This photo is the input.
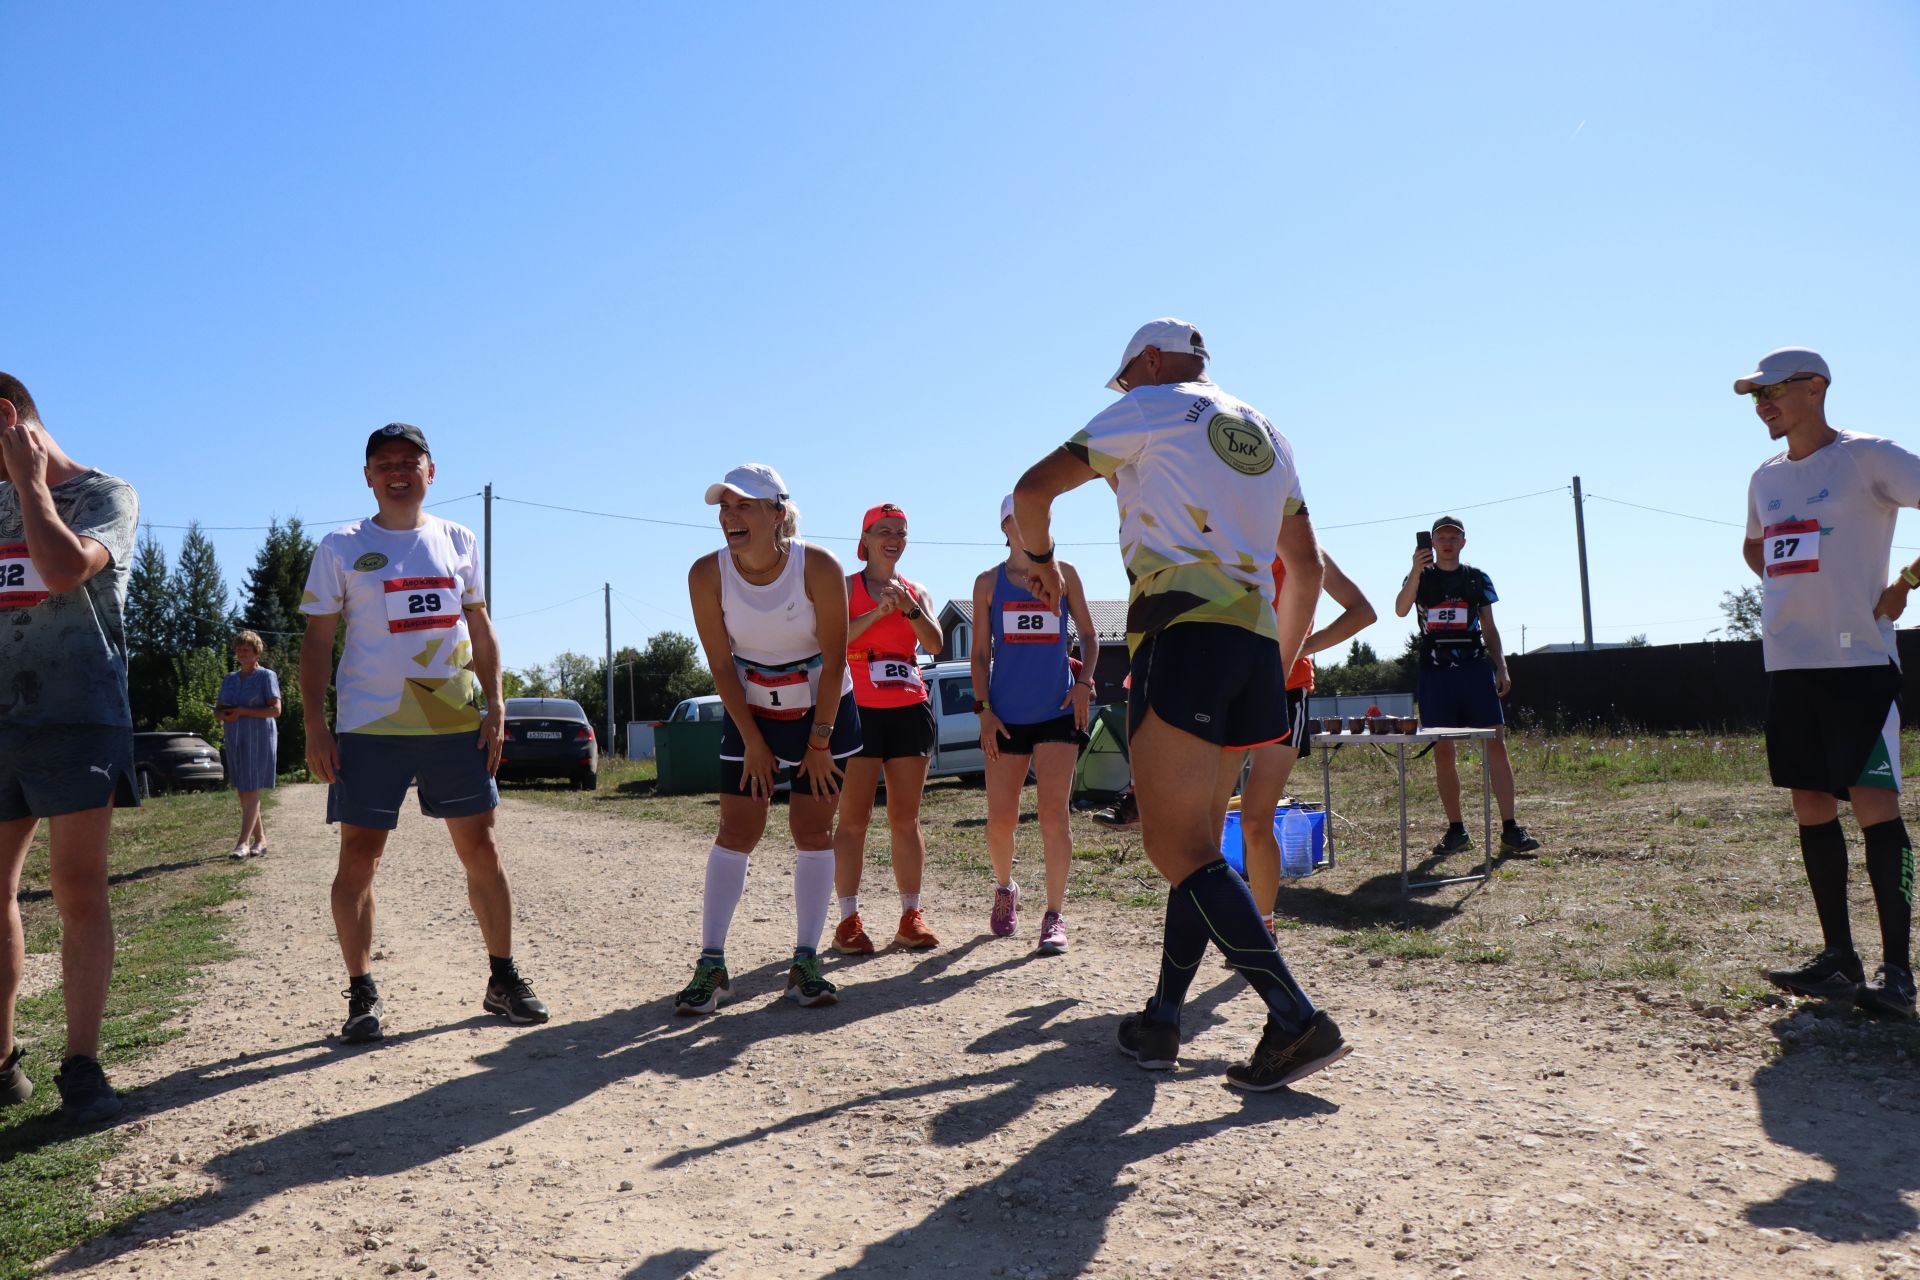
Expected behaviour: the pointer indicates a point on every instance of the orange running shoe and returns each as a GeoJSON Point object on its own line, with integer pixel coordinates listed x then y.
{"type": "Point", "coordinates": [850, 937]}
{"type": "Point", "coordinates": [913, 933]}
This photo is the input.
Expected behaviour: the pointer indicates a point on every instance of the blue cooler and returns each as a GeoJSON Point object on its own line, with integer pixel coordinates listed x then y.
{"type": "Point", "coordinates": [1236, 857]}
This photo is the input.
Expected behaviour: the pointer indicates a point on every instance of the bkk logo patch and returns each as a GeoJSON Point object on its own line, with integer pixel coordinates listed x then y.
{"type": "Point", "coordinates": [370, 561]}
{"type": "Point", "coordinates": [1240, 444]}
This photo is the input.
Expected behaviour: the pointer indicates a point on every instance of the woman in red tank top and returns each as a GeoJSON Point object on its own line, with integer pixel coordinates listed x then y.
{"type": "Point", "coordinates": [889, 620]}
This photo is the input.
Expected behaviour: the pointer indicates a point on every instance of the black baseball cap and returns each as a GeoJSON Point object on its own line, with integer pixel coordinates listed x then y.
{"type": "Point", "coordinates": [1444, 522]}
{"type": "Point", "coordinates": [398, 431]}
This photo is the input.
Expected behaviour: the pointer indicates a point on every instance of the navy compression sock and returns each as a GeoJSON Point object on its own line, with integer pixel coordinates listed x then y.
{"type": "Point", "coordinates": [1225, 906]}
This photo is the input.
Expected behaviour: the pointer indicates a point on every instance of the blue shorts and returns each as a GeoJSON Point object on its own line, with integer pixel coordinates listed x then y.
{"type": "Point", "coordinates": [1460, 697]}
{"type": "Point", "coordinates": [376, 769]}
{"type": "Point", "coordinates": [788, 740]}
{"type": "Point", "coordinates": [48, 771]}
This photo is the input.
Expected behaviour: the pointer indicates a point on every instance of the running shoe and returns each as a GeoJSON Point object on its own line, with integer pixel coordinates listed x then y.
{"type": "Point", "coordinates": [1283, 1057]}
{"type": "Point", "coordinates": [364, 1011]}
{"type": "Point", "coordinates": [1453, 842]}
{"type": "Point", "coordinates": [513, 999]}
{"type": "Point", "coordinates": [806, 986]}
{"type": "Point", "coordinates": [239, 852]}
{"type": "Point", "coordinates": [1833, 974]}
{"type": "Point", "coordinates": [1124, 812]}
{"type": "Point", "coordinates": [1154, 1045]}
{"type": "Point", "coordinates": [1053, 934]}
{"type": "Point", "coordinates": [913, 933]}
{"type": "Point", "coordinates": [1006, 911]}
{"type": "Point", "coordinates": [1515, 839]}
{"type": "Point", "coordinates": [259, 850]}
{"type": "Point", "coordinates": [85, 1095]}
{"type": "Point", "coordinates": [1889, 995]}
{"type": "Point", "coordinates": [850, 937]}
{"type": "Point", "coordinates": [14, 1085]}
{"type": "Point", "coordinates": [711, 984]}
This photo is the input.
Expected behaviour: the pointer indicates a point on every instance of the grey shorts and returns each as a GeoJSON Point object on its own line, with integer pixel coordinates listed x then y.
{"type": "Point", "coordinates": [376, 769]}
{"type": "Point", "coordinates": [51, 770]}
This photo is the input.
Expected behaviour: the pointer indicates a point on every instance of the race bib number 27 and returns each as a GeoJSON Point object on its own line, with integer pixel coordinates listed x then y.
{"type": "Point", "coordinates": [21, 586]}
{"type": "Point", "coordinates": [422, 604]}
{"type": "Point", "coordinates": [1791, 547]}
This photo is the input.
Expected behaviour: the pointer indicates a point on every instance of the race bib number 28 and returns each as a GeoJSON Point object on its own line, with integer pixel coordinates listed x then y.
{"type": "Point", "coordinates": [1029, 622]}
{"type": "Point", "coordinates": [422, 604]}
{"type": "Point", "coordinates": [21, 586]}
{"type": "Point", "coordinates": [1791, 547]}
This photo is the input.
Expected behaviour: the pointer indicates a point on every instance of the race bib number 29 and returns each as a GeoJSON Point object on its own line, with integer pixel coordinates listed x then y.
{"type": "Point", "coordinates": [21, 586]}
{"type": "Point", "coordinates": [1791, 547]}
{"type": "Point", "coordinates": [422, 604]}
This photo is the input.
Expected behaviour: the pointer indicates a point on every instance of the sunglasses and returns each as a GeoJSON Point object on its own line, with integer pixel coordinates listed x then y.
{"type": "Point", "coordinates": [1779, 389]}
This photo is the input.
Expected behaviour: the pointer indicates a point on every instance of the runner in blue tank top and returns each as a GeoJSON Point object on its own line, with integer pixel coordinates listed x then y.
{"type": "Point", "coordinates": [1035, 712]}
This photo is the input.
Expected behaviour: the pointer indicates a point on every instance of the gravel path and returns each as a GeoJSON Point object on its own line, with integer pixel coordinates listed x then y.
{"type": "Point", "coordinates": [960, 1113]}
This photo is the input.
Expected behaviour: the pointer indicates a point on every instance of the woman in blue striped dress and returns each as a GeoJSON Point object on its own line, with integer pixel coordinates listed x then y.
{"type": "Point", "coordinates": [250, 706]}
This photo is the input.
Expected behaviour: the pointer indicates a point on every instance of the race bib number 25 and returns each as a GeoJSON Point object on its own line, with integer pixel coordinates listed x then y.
{"type": "Point", "coordinates": [21, 586]}
{"type": "Point", "coordinates": [1791, 547]}
{"type": "Point", "coordinates": [1450, 615]}
{"type": "Point", "coordinates": [422, 604]}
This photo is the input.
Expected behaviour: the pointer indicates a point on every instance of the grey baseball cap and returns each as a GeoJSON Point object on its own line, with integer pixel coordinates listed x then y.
{"type": "Point", "coordinates": [1778, 366]}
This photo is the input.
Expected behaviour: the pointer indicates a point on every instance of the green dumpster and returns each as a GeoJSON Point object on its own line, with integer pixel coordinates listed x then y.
{"type": "Point", "coordinates": [687, 756]}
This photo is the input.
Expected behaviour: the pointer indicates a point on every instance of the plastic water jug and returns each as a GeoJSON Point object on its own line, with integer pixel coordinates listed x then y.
{"type": "Point", "coordinates": [1296, 844]}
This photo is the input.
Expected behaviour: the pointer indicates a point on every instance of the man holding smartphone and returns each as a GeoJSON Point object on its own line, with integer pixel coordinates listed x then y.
{"type": "Point", "coordinates": [1463, 673]}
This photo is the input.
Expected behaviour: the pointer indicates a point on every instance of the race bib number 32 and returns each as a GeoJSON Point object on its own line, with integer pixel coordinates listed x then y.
{"type": "Point", "coordinates": [1029, 622]}
{"type": "Point", "coordinates": [21, 586]}
{"type": "Point", "coordinates": [1791, 547]}
{"type": "Point", "coordinates": [422, 604]}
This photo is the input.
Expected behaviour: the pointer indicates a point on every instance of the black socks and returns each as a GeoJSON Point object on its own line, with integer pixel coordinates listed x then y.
{"type": "Point", "coordinates": [1214, 904]}
{"type": "Point", "coordinates": [1824, 851]}
{"type": "Point", "coordinates": [1890, 868]}
{"type": "Point", "coordinates": [501, 968]}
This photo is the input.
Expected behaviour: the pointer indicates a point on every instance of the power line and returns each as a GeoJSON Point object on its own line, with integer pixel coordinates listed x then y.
{"type": "Point", "coordinates": [1641, 506]}
{"type": "Point", "coordinates": [1518, 497]}
{"type": "Point", "coordinates": [254, 528]}
{"type": "Point", "coordinates": [709, 527]}
{"type": "Point", "coordinates": [527, 613]}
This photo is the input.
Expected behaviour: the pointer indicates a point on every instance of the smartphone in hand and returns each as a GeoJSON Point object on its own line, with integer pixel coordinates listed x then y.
{"type": "Point", "coordinates": [1422, 540]}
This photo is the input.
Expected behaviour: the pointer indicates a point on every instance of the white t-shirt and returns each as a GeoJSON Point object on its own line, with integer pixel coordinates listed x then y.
{"type": "Point", "coordinates": [404, 594]}
{"type": "Point", "coordinates": [1825, 524]}
{"type": "Point", "coordinates": [1203, 481]}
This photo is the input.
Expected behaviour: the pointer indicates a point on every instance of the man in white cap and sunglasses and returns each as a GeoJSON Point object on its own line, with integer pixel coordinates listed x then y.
{"type": "Point", "coordinates": [1820, 520]}
{"type": "Point", "coordinates": [1207, 492]}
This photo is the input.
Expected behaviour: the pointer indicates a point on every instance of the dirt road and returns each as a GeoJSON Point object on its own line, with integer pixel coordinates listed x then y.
{"type": "Point", "coordinates": [959, 1113]}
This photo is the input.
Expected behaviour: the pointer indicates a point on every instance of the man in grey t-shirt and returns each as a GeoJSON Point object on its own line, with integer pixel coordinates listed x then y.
{"type": "Point", "coordinates": [66, 739]}
{"type": "Point", "coordinates": [1820, 520]}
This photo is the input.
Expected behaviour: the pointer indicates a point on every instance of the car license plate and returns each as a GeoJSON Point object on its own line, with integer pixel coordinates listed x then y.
{"type": "Point", "coordinates": [544, 733]}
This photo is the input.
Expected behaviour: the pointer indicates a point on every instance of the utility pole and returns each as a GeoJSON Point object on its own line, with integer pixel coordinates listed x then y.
{"type": "Point", "coordinates": [1580, 536]}
{"type": "Point", "coordinates": [608, 592]}
{"type": "Point", "coordinates": [487, 525]}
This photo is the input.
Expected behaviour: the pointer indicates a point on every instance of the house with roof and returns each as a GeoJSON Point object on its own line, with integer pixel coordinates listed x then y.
{"type": "Point", "coordinates": [1109, 627]}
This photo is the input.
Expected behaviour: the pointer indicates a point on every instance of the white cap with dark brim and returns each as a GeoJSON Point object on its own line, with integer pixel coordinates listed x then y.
{"type": "Point", "coordinates": [751, 480]}
{"type": "Point", "coordinates": [1778, 366]}
{"type": "Point", "coordinates": [1175, 337]}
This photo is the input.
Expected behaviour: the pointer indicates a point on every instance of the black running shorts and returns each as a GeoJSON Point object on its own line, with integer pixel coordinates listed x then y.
{"type": "Point", "coordinates": [1218, 682]}
{"type": "Point", "coordinates": [896, 733]}
{"type": "Point", "coordinates": [1834, 728]}
{"type": "Point", "coordinates": [1297, 736]}
{"type": "Point", "coordinates": [1021, 739]}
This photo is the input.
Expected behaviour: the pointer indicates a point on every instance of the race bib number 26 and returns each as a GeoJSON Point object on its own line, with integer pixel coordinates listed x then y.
{"type": "Point", "coordinates": [422, 604]}
{"type": "Point", "coordinates": [1792, 547]}
{"type": "Point", "coordinates": [21, 586]}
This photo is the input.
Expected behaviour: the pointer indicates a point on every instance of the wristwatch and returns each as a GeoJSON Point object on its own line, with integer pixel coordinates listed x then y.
{"type": "Point", "coordinates": [1908, 576]}
{"type": "Point", "coordinates": [1040, 557]}
{"type": "Point", "coordinates": [914, 614]}
{"type": "Point", "coordinates": [979, 705]}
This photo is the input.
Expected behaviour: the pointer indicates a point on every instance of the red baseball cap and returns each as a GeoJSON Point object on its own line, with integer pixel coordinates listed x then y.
{"type": "Point", "coordinates": [874, 516]}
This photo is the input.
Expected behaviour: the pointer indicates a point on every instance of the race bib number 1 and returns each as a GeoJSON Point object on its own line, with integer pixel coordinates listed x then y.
{"type": "Point", "coordinates": [777, 695]}
{"type": "Point", "coordinates": [1792, 547]}
{"type": "Point", "coordinates": [422, 604]}
{"type": "Point", "coordinates": [1029, 622]}
{"type": "Point", "coordinates": [21, 586]}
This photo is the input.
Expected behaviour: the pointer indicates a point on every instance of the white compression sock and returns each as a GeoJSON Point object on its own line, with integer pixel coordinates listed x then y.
{"type": "Point", "coordinates": [849, 905]}
{"type": "Point", "coordinates": [812, 894]}
{"type": "Point", "coordinates": [726, 881]}
{"type": "Point", "coordinates": [909, 902]}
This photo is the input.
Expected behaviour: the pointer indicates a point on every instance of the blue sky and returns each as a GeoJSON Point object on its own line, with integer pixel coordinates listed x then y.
{"type": "Point", "coordinates": [601, 253]}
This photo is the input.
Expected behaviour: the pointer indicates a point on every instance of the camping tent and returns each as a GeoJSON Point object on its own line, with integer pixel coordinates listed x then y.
{"type": "Point", "coordinates": [1103, 771]}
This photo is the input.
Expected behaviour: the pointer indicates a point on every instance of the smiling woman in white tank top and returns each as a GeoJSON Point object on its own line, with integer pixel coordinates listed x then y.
{"type": "Point", "coordinates": [771, 612]}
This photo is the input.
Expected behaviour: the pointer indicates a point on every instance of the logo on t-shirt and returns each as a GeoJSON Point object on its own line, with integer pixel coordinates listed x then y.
{"type": "Point", "coordinates": [1240, 444]}
{"type": "Point", "coordinates": [370, 561]}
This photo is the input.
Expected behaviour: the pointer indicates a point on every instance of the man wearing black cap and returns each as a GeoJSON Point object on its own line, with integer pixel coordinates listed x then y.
{"type": "Point", "coordinates": [1820, 520]}
{"type": "Point", "coordinates": [1463, 675]}
{"type": "Point", "coordinates": [420, 657]}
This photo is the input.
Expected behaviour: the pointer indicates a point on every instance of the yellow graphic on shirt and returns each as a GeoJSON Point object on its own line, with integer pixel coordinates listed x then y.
{"type": "Point", "coordinates": [431, 705]}
{"type": "Point", "coordinates": [425, 656]}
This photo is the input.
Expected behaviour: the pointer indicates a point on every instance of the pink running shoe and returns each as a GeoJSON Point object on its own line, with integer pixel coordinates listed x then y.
{"type": "Point", "coordinates": [1005, 918]}
{"type": "Point", "coordinates": [1053, 934]}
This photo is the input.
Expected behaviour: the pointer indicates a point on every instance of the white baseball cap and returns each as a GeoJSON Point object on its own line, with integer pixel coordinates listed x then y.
{"type": "Point", "coordinates": [1006, 508]}
{"type": "Point", "coordinates": [1778, 366]}
{"type": "Point", "coordinates": [1175, 337]}
{"type": "Point", "coordinates": [750, 480]}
